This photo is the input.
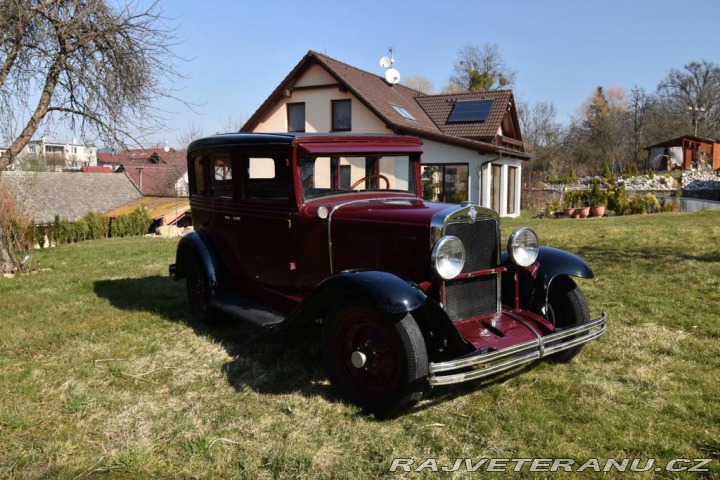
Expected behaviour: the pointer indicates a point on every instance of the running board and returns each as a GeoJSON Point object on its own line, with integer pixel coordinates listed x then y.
{"type": "Point", "coordinates": [247, 310]}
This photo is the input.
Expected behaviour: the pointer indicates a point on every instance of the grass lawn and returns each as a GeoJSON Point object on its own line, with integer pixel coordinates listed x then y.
{"type": "Point", "coordinates": [104, 373]}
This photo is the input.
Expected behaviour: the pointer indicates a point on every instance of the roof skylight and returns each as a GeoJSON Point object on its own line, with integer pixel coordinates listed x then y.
{"type": "Point", "coordinates": [401, 110]}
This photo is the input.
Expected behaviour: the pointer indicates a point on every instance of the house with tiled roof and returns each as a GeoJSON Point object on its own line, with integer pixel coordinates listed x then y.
{"type": "Point", "coordinates": [473, 148]}
{"type": "Point", "coordinates": [44, 195]}
{"type": "Point", "coordinates": [154, 171]}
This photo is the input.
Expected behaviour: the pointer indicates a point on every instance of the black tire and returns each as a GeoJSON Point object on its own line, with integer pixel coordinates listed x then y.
{"type": "Point", "coordinates": [199, 291]}
{"type": "Point", "coordinates": [566, 307]}
{"type": "Point", "coordinates": [394, 375]}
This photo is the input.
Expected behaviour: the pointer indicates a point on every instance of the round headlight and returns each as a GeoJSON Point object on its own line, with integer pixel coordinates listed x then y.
{"type": "Point", "coordinates": [523, 247]}
{"type": "Point", "coordinates": [448, 257]}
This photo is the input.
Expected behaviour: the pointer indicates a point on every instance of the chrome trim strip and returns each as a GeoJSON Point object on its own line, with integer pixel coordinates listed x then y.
{"type": "Point", "coordinates": [338, 207]}
{"type": "Point", "coordinates": [530, 351]}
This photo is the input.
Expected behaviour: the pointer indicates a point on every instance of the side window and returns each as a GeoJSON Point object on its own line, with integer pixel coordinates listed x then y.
{"type": "Point", "coordinates": [198, 181]}
{"type": "Point", "coordinates": [221, 175]}
{"type": "Point", "coordinates": [267, 178]}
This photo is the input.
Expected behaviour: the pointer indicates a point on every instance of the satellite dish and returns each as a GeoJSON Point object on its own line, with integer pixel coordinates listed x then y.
{"type": "Point", "coordinates": [392, 76]}
{"type": "Point", "coordinates": [385, 62]}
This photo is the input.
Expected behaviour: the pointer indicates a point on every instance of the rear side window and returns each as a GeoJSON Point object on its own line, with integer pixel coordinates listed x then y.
{"type": "Point", "coordinates": [267, 178]}
{"type": "Point", "coordinates": [221, 178]}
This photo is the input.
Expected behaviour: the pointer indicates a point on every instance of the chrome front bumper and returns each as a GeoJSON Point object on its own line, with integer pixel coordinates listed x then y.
{"type": "Point", "coordinates": [487, 364]}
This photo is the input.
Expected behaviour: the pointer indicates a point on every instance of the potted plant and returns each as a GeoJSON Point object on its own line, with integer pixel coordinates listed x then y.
{"type": "Point", "coordinates": [584, 206]}
{"type": "Point", "coordinates": [598, 201]}
{"type": "Point", "coordinates": [569, 204]}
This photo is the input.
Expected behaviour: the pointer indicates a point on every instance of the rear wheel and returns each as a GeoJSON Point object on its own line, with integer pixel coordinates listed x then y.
{"type": "Point", "coordinates": [567, 307]}
{"type": "Point", "coordinates": [199, 291]}
{"type": "Point", "coordinates": [375, 360]}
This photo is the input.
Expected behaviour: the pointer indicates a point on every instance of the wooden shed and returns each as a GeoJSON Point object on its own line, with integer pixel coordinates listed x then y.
{"type": "Point", "coordinates": [686, 152]}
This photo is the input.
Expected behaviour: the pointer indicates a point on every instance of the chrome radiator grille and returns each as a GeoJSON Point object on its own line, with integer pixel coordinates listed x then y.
{"type": "Point", "coordinates": [476, 296]}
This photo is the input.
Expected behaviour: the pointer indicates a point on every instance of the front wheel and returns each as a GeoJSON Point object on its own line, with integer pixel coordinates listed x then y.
{"type": "Point", "coordinates": [375, 360]}
{"type": "Point", "coordinates": [567, 307]}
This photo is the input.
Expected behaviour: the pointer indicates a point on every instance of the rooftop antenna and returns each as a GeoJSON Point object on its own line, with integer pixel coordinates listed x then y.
{"type": "Point", "coordinates": [392, 75]}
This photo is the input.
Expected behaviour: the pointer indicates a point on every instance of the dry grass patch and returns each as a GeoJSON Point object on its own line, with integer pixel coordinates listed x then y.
{"type": "Point", "coordinates": [106, 374]}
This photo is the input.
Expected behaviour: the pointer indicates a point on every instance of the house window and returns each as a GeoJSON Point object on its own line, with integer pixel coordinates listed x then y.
{"type": "Point", "coordinates": [296, 117]}
{"type": "Point", "coordinates": [345, 175]}
{"type": "Point", "coordinates": [31, 149]}
{"type": "Point", "coordinates": [445, 182]}
{"type": "Point", "coordinates": [496, 187]}
{"type": "Point", "coordinates": [341, 115]}
{"type": "Point", "coordinates": [511, 195]}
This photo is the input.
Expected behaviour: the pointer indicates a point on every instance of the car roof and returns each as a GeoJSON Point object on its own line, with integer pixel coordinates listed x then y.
{"type": "Point", "coordinates": [240, 139]}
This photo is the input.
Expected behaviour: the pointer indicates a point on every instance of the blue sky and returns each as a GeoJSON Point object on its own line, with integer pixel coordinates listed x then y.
{"type": "Point", "coordinates": [239, 51]}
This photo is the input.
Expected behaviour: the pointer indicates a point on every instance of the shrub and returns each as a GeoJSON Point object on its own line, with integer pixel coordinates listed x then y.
{"type": "Point", "coordinates": [618, 201]}
{"type": "Point", "coordinates": [651, 203]}
{"type": "Point", "coordinates": [637, 204]}
{"type": "Point", "coordinates": [597, 197]}
{"type": "Point", "coordinates": [138, 222]}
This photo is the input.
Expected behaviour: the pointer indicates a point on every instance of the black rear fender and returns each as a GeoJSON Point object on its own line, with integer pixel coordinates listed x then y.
{"type": "Point", "coordinates": [200, 245]}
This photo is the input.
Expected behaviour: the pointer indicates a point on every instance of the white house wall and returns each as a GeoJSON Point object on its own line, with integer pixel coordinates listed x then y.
{"type": "Point", "coordinates": [479, 187]}
{"type": "Point", "coordinates": [318, 107]}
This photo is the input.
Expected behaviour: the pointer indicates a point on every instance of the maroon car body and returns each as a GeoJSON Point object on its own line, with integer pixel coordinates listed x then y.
{"type": "Point", "coordinates": [410, 292]}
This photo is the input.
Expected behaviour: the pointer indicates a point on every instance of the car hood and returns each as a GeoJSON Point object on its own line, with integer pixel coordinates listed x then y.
{"type": "Point", "coordinates": [393, 210]}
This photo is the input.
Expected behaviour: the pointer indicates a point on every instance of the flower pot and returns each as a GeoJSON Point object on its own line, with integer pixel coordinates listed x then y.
{"type": "Point", "coordinates": [584, 212]}
{"type": "Point", "coordinates": [569, 212]}
{"type": "Point", "coordinates": [576, 215]}
{"type": "Point", "coordinates": [598, 211]}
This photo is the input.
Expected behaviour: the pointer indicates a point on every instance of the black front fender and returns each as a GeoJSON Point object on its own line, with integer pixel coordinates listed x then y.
{"type": "Point", "coordinates": [385, 291]}
{"type": "Point", "coordinates": [553, 262]}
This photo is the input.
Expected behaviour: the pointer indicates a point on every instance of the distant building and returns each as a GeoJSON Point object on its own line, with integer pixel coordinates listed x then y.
{"type": "Point", "coordinates": [44, 195]}
{"type": "Point", "coordinates": [154, 171]}
{"type": "Point", "coordinates": [41, 155]}
{"type": "Point", "coordinates": [686, 153]}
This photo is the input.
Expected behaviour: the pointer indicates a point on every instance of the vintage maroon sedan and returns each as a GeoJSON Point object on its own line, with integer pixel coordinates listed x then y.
{"type": "Point", "coordinates": [294, 228]}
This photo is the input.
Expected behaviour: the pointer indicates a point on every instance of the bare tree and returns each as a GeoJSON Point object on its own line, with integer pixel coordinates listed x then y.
{"type": "Point", "coordinates": [694, 95]}
{"type": "Point", "coordinates": [96, 66]}
{"type": "Point", "coordinates": [480, 68]}
{"type": "Point", "coordinates": [419, 83]}
{"type": "Point", "coordinates": [605, 115]}
{"type": "Point", "coordinates": [232, 124]}
{"type": "Point", "coordinates": [187, 136]}
{"type": "Point", "coordinates": [543, 136]}
{"type": "Point", "coordinates": [641, 105]}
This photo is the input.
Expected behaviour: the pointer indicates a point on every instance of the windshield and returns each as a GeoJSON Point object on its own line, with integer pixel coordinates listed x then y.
{"type": "Point", "coordinates": [327, 175]}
